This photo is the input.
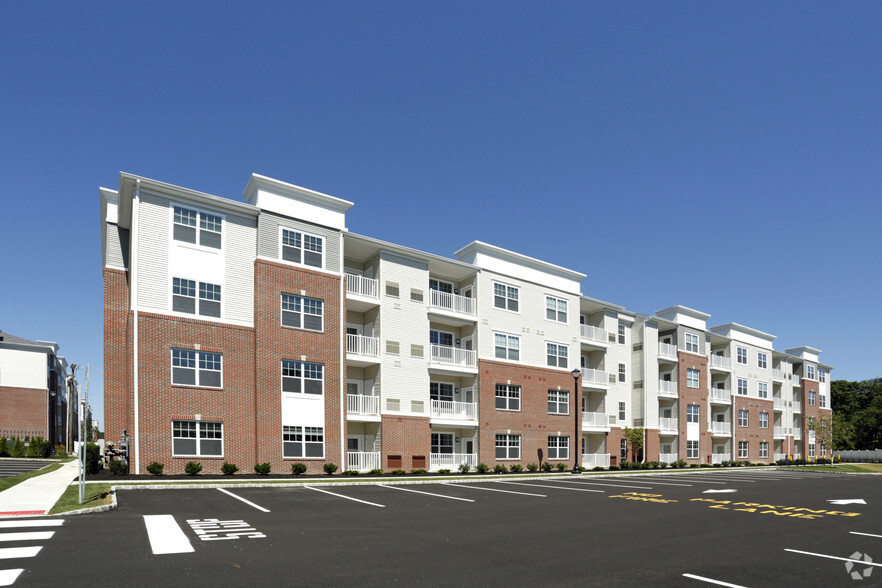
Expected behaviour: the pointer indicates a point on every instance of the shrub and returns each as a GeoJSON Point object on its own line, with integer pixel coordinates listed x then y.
{"type": "Point", "coordinates": [517, 468]}
{"type": "Point", "coordinates": [154, 468]}
{"type": "Point", "coordinates": [717, 465]}
{"type": "Point", "coordinates": [35, 447]}
{"type": "Point", "coordinates": [464, 468]}
{"type": "Point", "coordinates": [60, 452]}
{"type": "Point", "coordinates": [662, 464]}
{"type": "Point", "coordinates": [705, 465]}
{"type": "Point", "coordinates": [693, 465]}
{"type": "Point", "coordinates": [653, 465]}
{"type": "Point", "coordinates": [93, 458]}
{"type": "Point", "coordinates": [18, 449]}
{"type": "Point", "coordinates": [561, 466]}
{"type": "Point", "coordinates": [118, 467]}
{"type": "Point", "coordinates": [613, 468]}
{"type": "Point", "coordinates": [397, 472]}
{"type": "Point", "coordinates": [500, 469]}
{"type": "Point", "coordinates": [192, 468]}
{"type": "Point", "coordinates": [444, 471]}
{"type": "Point", "coordinates": [418, 472]}
{"type": "Point", "coordinates": [350, 473]}
{"type": "Point", "coordinates": [298, 468]}
{"type": "Point", "coordinates": [598, 468]}
{"type": "Point", "coordinates": [646, 465]}
{"type": "Point", "coordinates": [330, 468]}
{"type": "Point", "coordinates": [482, 468]}
{"type": "Point", "coordinates": [546, 467]}
{"type": "Point", "coordinates": [681, 463]}
{"type": "Point", "coordinates": [532, 467]}
{"type": "Point", "coordinates": [376, 472]}
{"type": "Point", "coordinates": [262, 469]}
{"type": "Point", "coordinates": [228, 469]}
{"type": "Point", "coordinates": [4, 447]}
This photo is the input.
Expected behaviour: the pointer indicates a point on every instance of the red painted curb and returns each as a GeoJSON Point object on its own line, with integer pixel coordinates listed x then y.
{"type": "Point", "coordinates": [23, 512]}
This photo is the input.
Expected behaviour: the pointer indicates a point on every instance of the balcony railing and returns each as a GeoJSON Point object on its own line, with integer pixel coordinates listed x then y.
{"type": "Point", "coordinates": [720, 457]}
{"type": "Point", "coordinates": [721, 395]}
{"type": "Point", "coordinates": [362, 286]}
{"type": "Point", "coordinates": [595, 419]}
{"type": "Point", "coordinates": [780, 403]}
{"type": "Point", "coordinates": [361, 345]}
{"type": "Point", "coordinates": [590, 376]}
{"type": "Point", "coordinates": [363, 405]}
{"type": "Point", "coordinates": [718, 361]}
{"type": "Point", "coordinates": [593, 333]}
{"type": "Point", "coordinates": [452, 302]}
{"type": "Point", "coordinates": [454, 356]}
{"type": "Point", "coordinates": [797, 406]}
{"type": "Point", "coordinates": [796, 380]}
{"type": "Point", "coordinates": [667, 350]}
{"type": "Point", "coordinates": [667, 457]}
{"type": "Point", "coordinates": [777, 374]}
{"type": "Point", "coordinates": [667, 388]}
{"type": "Point", "coordinates": [363, 461]}
{"type": "Point", "coordinates": [449, 409]}
{"type": "Point", "coordinates": [797, 433]}
{"type": "Point", "coordinates": [667, 424]}
{"type": "Point", "coordinates": [593, 460]}
{"type": "Point", "coordinates": [451, 461]}
{"type": "Point", "coordinates": [721, 428]}
{"type": "Point", "coordinates": [779, 456]}
{"type": "Point", "coordinates": [780, 431]}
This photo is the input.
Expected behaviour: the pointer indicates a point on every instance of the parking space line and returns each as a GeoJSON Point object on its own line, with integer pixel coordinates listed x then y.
{"type": "Point", "coordinates": [427, 493]}
{"type": "Point", "coordinates": [701, 481]}
{"type": "Point", "coordinates": [602, 484]}
{"type": "Point", "coordinates": [32, 536]}
{"type": "Point", "coordinates": [498, 490]}
{"type": "Point", "coordinates": [31, 523]}
{"type": "Point", "coordinates": [165, 535]}
{"type": "Point", "coordinates": [857, 561]}
{"type": "Point", "coordinates": [660, 483]}
{"type": "Point", "coordinates": [710, 581]}
{"type": "Point", "coordinates": [553, 487]}
{"type": "Point", "coordinates": [248, 502]}
{"type": "Point", "coordinates": [346, 497]}
{"type": "Point", "coordinates": [865, 534]}
{"type": "Point", "coordinates": [8, 577]}
{"type": "Point", "coordinates": [16, 552]}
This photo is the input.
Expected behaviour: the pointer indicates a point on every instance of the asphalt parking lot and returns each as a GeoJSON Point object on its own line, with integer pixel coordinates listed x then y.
{"type": "Point", "coordinates": [720, 527]}
{"type": "Point", "coordinates": [13, 467]}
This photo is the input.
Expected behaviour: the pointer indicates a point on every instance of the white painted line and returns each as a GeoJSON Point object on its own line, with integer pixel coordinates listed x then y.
{"type": "Point", "coordinates": [865, 534]}
{"type": "Point", "coordinates": [602, 484]}
{"type": "Point", "coordinates": [726, 479]}
{"type": "Point", "coordinates": [16, 552]}
{"type": "Point", "coordinates": [719, 490]}
{"type": "Point", "coordinates": [31, 523]}
{"type": "Point", "coordinates": [8, 577]}
{"type": "Point", "coordinates": [165, 535]}
{"type": "Point", "coordinates": [248, 502]}
{"type": "Point", "coordinates": [848, 501]}
{"type": "Point", "coordinates": [346, 497]}
{"type": "Point", "coordinates": [655, 482]}
{"type": "Point", "coordinates": [691, 479]}
{"type": "Point", "coordinates": [32, 536]}
{"type": "Point", "coordinates": [709, 581]}
{"type": "Point", "coordinates": [553, 487]}
{"type": "Point", "coordinates": [427, 493]}
{"type": "Point", "coordinates": [857, 561]}
{"type": "Point", "coordinates": [498, 490]}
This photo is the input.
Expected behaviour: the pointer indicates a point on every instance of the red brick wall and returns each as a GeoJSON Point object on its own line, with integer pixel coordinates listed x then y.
{"type": "Point", "coordinates": [693, 396]}
{"type": "Point", "coordinates": [117, 356]}
{"type": "Point", "coordinates": [408, 437]}
{"type": "Point", "coordinates": [752, 433]}
{"type": "Point", "coordinates": [651, 444]}
{"type": "Point", "coordinates": [614, 446]}
{"type": "Point", "coordinates": [23, 411]}
{"type": "Point", "coordinates": [532, 422]}
{"type": "Point", "coordinates": [814, 412]}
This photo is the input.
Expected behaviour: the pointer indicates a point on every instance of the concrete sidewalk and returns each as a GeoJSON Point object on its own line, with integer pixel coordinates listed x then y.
{"type": "Point", "coordinates": [36, 496]}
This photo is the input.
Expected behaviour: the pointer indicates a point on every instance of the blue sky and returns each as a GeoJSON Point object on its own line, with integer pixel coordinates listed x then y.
{"type": "Point", "coordinates": [723, 156]}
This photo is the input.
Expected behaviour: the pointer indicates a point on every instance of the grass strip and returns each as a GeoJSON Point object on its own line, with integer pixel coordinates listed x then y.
{"type": "Point", "coordinates": [94, 495]}
{"type": "Point", "coordinates": [6, 483]}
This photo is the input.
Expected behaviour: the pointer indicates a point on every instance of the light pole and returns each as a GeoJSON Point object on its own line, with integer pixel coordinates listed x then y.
{"type": "Point", "coordinates": [577, 373]}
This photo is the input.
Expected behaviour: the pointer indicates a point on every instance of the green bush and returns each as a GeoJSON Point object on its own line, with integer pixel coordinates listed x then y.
{"type": "Point", "coordinates": [93, 458]}
{"type": "Point", "coordinates": [192, 468]}
{"type": "Point", "coordinates": [262, 469]}
{"type": "Point", "coordinates": [444, 471]}
{"type": "Point", "coordinates": [546, 467]}
{"type": "Point", "coordinates": [35, 447]}
{"type": "Point", "coordinates": [298, 468]}
{"type": "Point", "coordinates": [18, 449]}
{"type": "Point", "coordinates": [717, 465]}
{"type": "Point", "coordinates": [228, 469]}
{"type": "Point", "coordinates": [4, 447]}
{"type": "Point", "coordinates": [693, 465]}
{"type": "Point", "coordinates": [377, 472]}
{"type": "Point", "coordinates": [662, 464]}
{"type": "Point", "coordinates": [482, 468]}
{"type": "Point", "coordinates": [516, 468]}
{"type": "Point", "coordinates": [350, 472]}
{"type": "Point", "coordinates": [532, 467]}
{"type": "Point", "coordinates": [613, 468]}
{"type": "Point", "coordinates": [705, 465]}
{"type": "Point", "coordinates": [598, 468]}
{"type": "Point", "coordinates": [561, 466]}
{"type": "Point", "coordinates": [330, 468]}
{"type": "Point", "coordinates": [418, 472]}
{"type": "Point", "coordinates": [118, 467]}
{"type": "Point", "coordinates": [60, 452]}
{"type": "Point", "coordinates": [154, 468]}
{"type": "Point", "coordinates": [464, 468]}
{"type": "Point", "coordinates": [397, 472]}
{"type": "Point", "coordinates": [500, 469]}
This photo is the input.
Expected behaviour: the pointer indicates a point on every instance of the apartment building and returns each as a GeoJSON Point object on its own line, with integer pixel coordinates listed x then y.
{"type": "Point", "coordinates": [263, 330]}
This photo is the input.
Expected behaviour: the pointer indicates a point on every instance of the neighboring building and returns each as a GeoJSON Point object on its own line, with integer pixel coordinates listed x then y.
{"type": "Point", "coordinates": [34, 390]}
{"type": "Point", "coordinates": [264, 331]}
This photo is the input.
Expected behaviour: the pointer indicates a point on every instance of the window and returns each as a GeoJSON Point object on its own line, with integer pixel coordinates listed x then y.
{"type": "Point", "coordinates": [622, 412]}
{"type": "Point", "coordinates": [558, 402]}
{"type": "Point", "coordinates": [811, 396]}
{"type": "Point", "coordinates": [557, 354]}
{"type": "Point", "coordinates": [810, 372]}
{"type": "Point", "coordinates": [442, 338]}
{"type": "Point", "coordinates": [442, 443]}
{"type": "Point", "coordinates": [508, 446]}
{"type": "Point", "coordinates": [505, 297]}
{"type": "Point", "coordinates": [623, 449]}
{"type": "Point", "coordinates": [184, 297]}
{"type": "Point", "coordinates": [822, 375]}
{"type": "Point", "coordinates": [186, 222]}
{"type": "Point", "coordinates": [742, 418]}
{"type": "Point", "coordinates": [742, 355]}
{"type": "Point", "coordinates": [692, 413]}
{"type": "Point", "coordinates": [555, 309]}
{"type": "Point", "coordinates": [692, 342]}
{"type": "Point", "coordinates": [764, 420]}
{"type": "Point", "coordinates": [762, 389]}
{"type": "Point", "coordinates": [764, 449]}
{"type": "Point", "coordinates": [622, 369]}
{"type": "Point", "coordinates": [507, 346]}
{"type": "Point", "coordinates": [621, 334]}
{"type": "Point", "coordinates": [822, 401]}
{"type": "Point", "coordinates": [302, 377]}
{"type": "Point", "coordinates": [761, 360]}
{"type": "Point", "coordinates": [303, 441]}
{"type": "Point", "coordinates": [558, 448]}
{"type": "Point", "coordinates": [691, 449]}
{"type": "Point", "coordinates": [508, 397]}
{"type": "Point", "coordinates": [197, 438]}
{"type": "Point", "coordinates": [392, 289]}
{"type": "Point", "coordinates": [185, 373]}
{"type": "Point", "coordinates": [441, 391]}
{"type": "Point", "coordinates": [742, 386]}
{"type": "Point", "coordinates": [811, 450]}
{"type": "Point", "coordinates": [742, 449]}
{"type": "Point", "coordinates": [302, 248]}
{"type": "Point", "coordinates": [302, 313]}
{"type": "Point", "coordinates": [691, 378]}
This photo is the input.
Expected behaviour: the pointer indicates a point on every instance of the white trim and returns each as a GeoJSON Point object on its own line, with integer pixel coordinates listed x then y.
{"type": "Point", "coordinates": [133, 293]}
{"type": "Point", "coordinates": [199, 213]}
{"type": "Point", "coordinates": [303, 233]}
{"type": "Point", "coordinates": [198, 443]}
{"type": "Point", "coordinates": [507, 285]}
{"type": "Point", "coordinates": [558, 299]}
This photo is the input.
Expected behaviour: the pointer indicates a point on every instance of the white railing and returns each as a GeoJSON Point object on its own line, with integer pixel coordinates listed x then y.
{"type": "Point", "coordinates": [720, 457]}
{"type": "Point", "coordinates": [361, 404]}
{"type": "Point", "coordinates": [453, 302]}
{"type": "Point", "coordinates": [595, 419]}
{"type": "Point", "coordinates": [718, 361]}
{"type": "Point", "coordinates": [777, 374]}
{"type": "Point", "coordinates": [796, 381]}
{"type": "Point", "coordinates": [363, 461]}
{"type": "Point", "coordinates": [593, 333]}
{"type": "Point", "coordinates": [797, 433]}
{"type": "Point", "coordinates": [780, 431]}
{"type": "Point", "coordinates": [590, 376]}
{"type": "Point", "coordinates": [780, 456]}
{"type": "Point", "coordinates": [449, 409]}
{"type": "Point", "coordinates": [361, 345]}
{"type": "Point", "coordinates": [721, 395]}
{"type": "Point", "coordinates": [724, 427]}
{"type": "Point", "coordinates": [667, 388]}
{"type": "Point", "coordinates": [451, 461]}
{"type": "Point", "coordinates": [797, 406]}
{"type": "Point", "coordinates": [593, 460]}
{"type": "Point", "coordinates": [362, 286]}
{"type": "Point", "coordinates": [454, 356]}
{"type": "Point", "coordinates": [780, 403]}
{"type": "Point", "coordinates": [667, 350]}
{"type": "Point", "coordinates": [667, 423]}
{"type": "Point", "coordinates": [667, 457]}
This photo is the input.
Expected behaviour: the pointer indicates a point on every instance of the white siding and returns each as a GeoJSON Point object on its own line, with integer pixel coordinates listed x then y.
{"type": "Point", "coordinates": [154, 228]}
{"type": "Point", "coordinates": [23, 369]}
{"type": "Point", "coordinates": [269, 238]}
{"type": "Point", "coordinates": [241, 238]}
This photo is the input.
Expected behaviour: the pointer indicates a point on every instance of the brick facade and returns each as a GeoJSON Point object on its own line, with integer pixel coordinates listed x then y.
{"type": "Point", "coordinates": [697, 396]}
{"type": "Point", "coordinates": [406, 442]}
{"type": "Point", "coordinates": [753, 434]}
{"type": "Point", "coordinates": [118, 408]}
{"type": "Point", "coordinates": [23, 411]}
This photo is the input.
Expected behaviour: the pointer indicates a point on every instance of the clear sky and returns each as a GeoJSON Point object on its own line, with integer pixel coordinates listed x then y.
{"type": "Point", "coordinates": [722, 156]}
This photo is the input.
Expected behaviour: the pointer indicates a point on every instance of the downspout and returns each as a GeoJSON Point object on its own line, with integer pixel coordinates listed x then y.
{"type": "Point", "coordinates": [343, 438]}
{"type": "Point", "coordinates": [645, 395]}
{"type": "Point", "coordinates": [134, 281]}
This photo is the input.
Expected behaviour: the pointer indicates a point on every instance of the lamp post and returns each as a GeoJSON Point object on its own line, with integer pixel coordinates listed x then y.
{"type": "Point", "coordinates": [576, 375]}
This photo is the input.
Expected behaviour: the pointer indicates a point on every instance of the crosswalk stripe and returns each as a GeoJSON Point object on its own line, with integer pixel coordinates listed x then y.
{"type": "Point", "coordinates": [32, 536]}
{"type": "Point", "coordinates": [8, 577]}
{"type": "Point", "coordinates": [16, 552]}
{"type": "Point", "coordinates": [31, 523]}
{"type": "Point", "coordinates": [165, 535]}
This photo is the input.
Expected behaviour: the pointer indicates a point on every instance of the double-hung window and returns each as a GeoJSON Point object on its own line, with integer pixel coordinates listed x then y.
{"type": "Point", "coordinates": [555, 309]}
{"type": "Point", "coordinates": [691, 449]}
{"type": "Point", "coordinates": [197, 438]}
{"type": "Point", "coordinates": [623, 370]}
{"type": "Point", "coordinates": [301, 312]}
{"type": "Point", "coordinates": [691, 342]}
{"type": "Point", "coordinates": [692, 413]}
{"type": "Point", "coordinates": [742, 449]}
{"type": "Point", "coordinates": [507, 346]}
{"type": "Point", "coordinates": [810, 372]}
{"type": "Point", "coordinates": [508, 397]}
{"type": "Point", "coordinates": [623, 412]}
{"type": "Point", "coordinates": [621, 334]}
{"type": "Point", "coordinates": [184, 297]}
{"type": "Point", "coordinates": [302, 248]}
{"type": "Point", "coordinates": [508, 446]}
{"type": "Point", "coordinates": [764, 449]}
{"type": "Point", "coordinates": [192, 226]}
{"type": "Point", "coordinates": [558, 448]}
{"type": "Point", "coordinates": [811, 397]}
{"type": "Point", "coordinates": [822, 375]}
{"type": "Point", "coordinates": [742, 386]}
{"type": "Point", "coordinates": [822, 401]}
{"type": "Point", "coordinates": [558, 402]}
{"type": "Point", "coordinates": [197, 368]}
{"type": "Point", "coordinates": [556, 354]}
{"type": "Point", "coordinates": [505, 296]}
{"type": "Point", "coordinates": [741, 354]}
{"type": "Point", "coordinates": [742, 418]}
{"type": "Point", "coordinates": [302, 377]}
{"type": "Point", "coordinates": [762, 360]}
{"type": "Point", "coordinates": [762, 389]}
{"type": "Point", "coordinates": [692, 378]}
{"type": "Point", "coordinates": [303, 441]}
{"type": "Point", "coordinates": [764, 420]}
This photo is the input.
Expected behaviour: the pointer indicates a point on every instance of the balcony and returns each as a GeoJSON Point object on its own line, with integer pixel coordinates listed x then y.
{"type": "Point", "coordinates": [364, 346]}
{"type": "Point", "coordinates": [361, 405]}
{"type": "Point", "coordinates": [721, 428]}
{"type": "Point", "coordinates": [780, 403]}
{"type": "Point", "coordinates": [595, 420]}
{"type": "Point", "coordinates": [667, 424]}
{"type": "Point", "coordinates": [667, 351]}
{"type": "Point", "coordinates": [796, 381]}
{"type": "Point", "coordinates": [720, 457]}
{"type": "Point", "coordinates": [594, 377]}
{"type": "Point", "coordinates": [667, 388]}
{"type": "Point", "coordinates": [780, 432]}
{"type": "Point", "coordinates": [451, 461]}
{"type": "Point", "coordinates": [667, 457]}
{"type": "Point", "coordinates": [593, 460]}
{"type": "Point", "coordinates": [452, 302]}
{"type": "Point", "coordinates": [454, 411]}
{"type": "Point", "coordinates": [797, 406]}
{"type": "Point", "coordinates": [454, 357]}
{"type": "Point", "coordinates": [718, 362]}
{"type": "Point", "coordinates": [362, 286]}
{"type": "Point", "coordinates": [363, 461]}
{"type": "Point", "coordinates": [594, 334]}
{"type": "Point", "coordinates": [777, 374]}
{"type": "Point", "coordinates": [797, 433]}
{"type": "Point", "coordinates": [719, 395]}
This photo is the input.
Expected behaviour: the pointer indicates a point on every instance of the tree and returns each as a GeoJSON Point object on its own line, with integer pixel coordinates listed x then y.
{"type": "Point", "coordinates": [823, 430]}
{"type": "Point", "coordinates": [857, 409]}
{"type": "Point", "coordinates": [634, 438]}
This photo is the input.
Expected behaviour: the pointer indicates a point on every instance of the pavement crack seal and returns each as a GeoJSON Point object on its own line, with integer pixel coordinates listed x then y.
{"type": "Point", "coordinates": [774, 509]}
